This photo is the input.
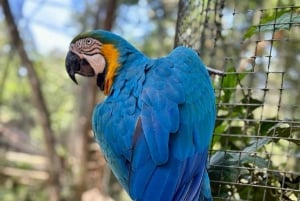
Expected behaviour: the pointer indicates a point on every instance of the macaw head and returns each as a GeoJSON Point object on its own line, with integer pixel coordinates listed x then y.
{"type": "Point", "coordinates": [96, 54]}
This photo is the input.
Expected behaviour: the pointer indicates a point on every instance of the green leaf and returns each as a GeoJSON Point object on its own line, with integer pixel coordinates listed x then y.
{"type": "Point", "coordinates": [229, 80]}
{"type": "Point", "coordinates": [255, 145]}
{"type": "Point", "coordinates": [250, 32]}
{"type": "Point", "coordinates": [219, 129]}
{"type": "Point", "coordinates": [264, 20]}
{"type": "Point", "coordinates": [255, 160]}
{"type": "Point", "coordinates": [220, 157]}
{"type": "Point", "coordinates": [284, 130]}
{"type": "Point", "coordinates": [229, 83]}
{"type": "Point", "coordinates": [252, 103]}
{"type": "Point", "coordinates": [266, 124]}
{"type": "Point", "coordinates": [282, 20]}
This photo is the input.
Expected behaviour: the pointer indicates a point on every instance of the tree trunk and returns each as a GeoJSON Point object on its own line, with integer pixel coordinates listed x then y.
{"type": "Point", "coordinates": [88, 99]}
{"type": "Point", "coordinates": [39, 100]}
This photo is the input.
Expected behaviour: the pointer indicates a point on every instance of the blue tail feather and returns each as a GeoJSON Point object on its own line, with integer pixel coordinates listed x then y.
{"type": "Point", "coordinates": [205, 194]}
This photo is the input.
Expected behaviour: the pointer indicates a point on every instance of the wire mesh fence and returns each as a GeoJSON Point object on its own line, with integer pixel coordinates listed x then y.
{"type": "Point", "coordinates": [255, 154]}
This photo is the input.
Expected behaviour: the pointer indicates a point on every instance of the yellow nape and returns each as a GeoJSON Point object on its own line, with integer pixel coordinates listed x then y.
{"type": "Point", "coordinates": [111, 55]}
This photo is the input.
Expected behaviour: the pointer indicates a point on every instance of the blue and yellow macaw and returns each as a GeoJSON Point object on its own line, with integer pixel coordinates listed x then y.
{"type": "Point", "coordinates": [156, 123]}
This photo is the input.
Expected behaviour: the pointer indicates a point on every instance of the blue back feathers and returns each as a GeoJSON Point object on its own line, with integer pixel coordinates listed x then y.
{"type": "Point", "coordinates": [156, 125]}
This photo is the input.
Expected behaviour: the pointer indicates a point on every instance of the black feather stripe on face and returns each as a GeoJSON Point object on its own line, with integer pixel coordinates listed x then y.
{"type": "Point", "coordinates": [101, 79]}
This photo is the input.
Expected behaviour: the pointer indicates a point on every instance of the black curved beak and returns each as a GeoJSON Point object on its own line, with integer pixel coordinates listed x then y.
{"type": "Point", "coordinates": [74, 65]}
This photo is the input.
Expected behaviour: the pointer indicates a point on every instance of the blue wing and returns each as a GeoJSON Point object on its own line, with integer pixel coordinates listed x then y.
{"type": "Point", "coordinates": [158, 150]}
{"type": "Point", "coordinates": [177, 121]}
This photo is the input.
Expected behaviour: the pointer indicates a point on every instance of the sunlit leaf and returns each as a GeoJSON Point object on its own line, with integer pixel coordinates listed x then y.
{"type": "Point", "coordinates": [265, 125]}
{"type": "Point", "coordinates": [230, 82]}
{"type": "Point", "coordinates": [252, 103]}
{"type": "Point", "coordinates": [281, 20]}
{"type": "Point", "coordinates": [284, 22]}
{"type": "Point", "coordinates": [284, 131]}
{"type": "Point", "coordinates": [255, 161]}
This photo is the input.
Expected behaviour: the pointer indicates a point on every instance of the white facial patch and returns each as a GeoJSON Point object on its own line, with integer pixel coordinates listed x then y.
{"type": "Point", "coordinates": [90, 50]}
{"type": "Point", "coordinates": [97, 62]}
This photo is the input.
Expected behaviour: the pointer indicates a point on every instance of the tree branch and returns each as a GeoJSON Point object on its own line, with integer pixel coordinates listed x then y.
{"type": "Point", "coordinates": [86, 105]}
{"type": "Point", "coordinates": [110, 14]}
{"type": "Point", "coordinates": [39, 100]}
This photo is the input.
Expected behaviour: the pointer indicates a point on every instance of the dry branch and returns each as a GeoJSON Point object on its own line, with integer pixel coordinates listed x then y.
{"type": "Point", "coordinates": [22, 173]}
{"type": "Point", "coordinates": [32, 160]}
{"type": "Point", "coordinates": [82, 130]}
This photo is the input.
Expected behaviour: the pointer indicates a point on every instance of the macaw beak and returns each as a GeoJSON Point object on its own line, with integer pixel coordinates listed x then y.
{"type": "Point", "coordinates": [74, 64]}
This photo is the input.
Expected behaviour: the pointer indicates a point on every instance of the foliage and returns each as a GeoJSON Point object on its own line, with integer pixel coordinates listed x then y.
{"type": "Point", "coordinates": [242, 140]}
{"type": "Point", "coordinates": [12, 190]}
{"type": "Point", "coordinates": [275, 21]}
{"type": "Point", "coordinates": [19, 115]}
{"type": "Point", "coordinates": [248, 168]}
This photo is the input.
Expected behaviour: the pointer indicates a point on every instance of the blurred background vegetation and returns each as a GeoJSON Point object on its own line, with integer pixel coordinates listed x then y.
{"type": "Point", "coordinates": [47, 150]}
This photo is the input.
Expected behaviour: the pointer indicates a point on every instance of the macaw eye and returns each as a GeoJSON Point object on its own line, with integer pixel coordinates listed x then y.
{"type": "Point", "coordinates": [88, 41]}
